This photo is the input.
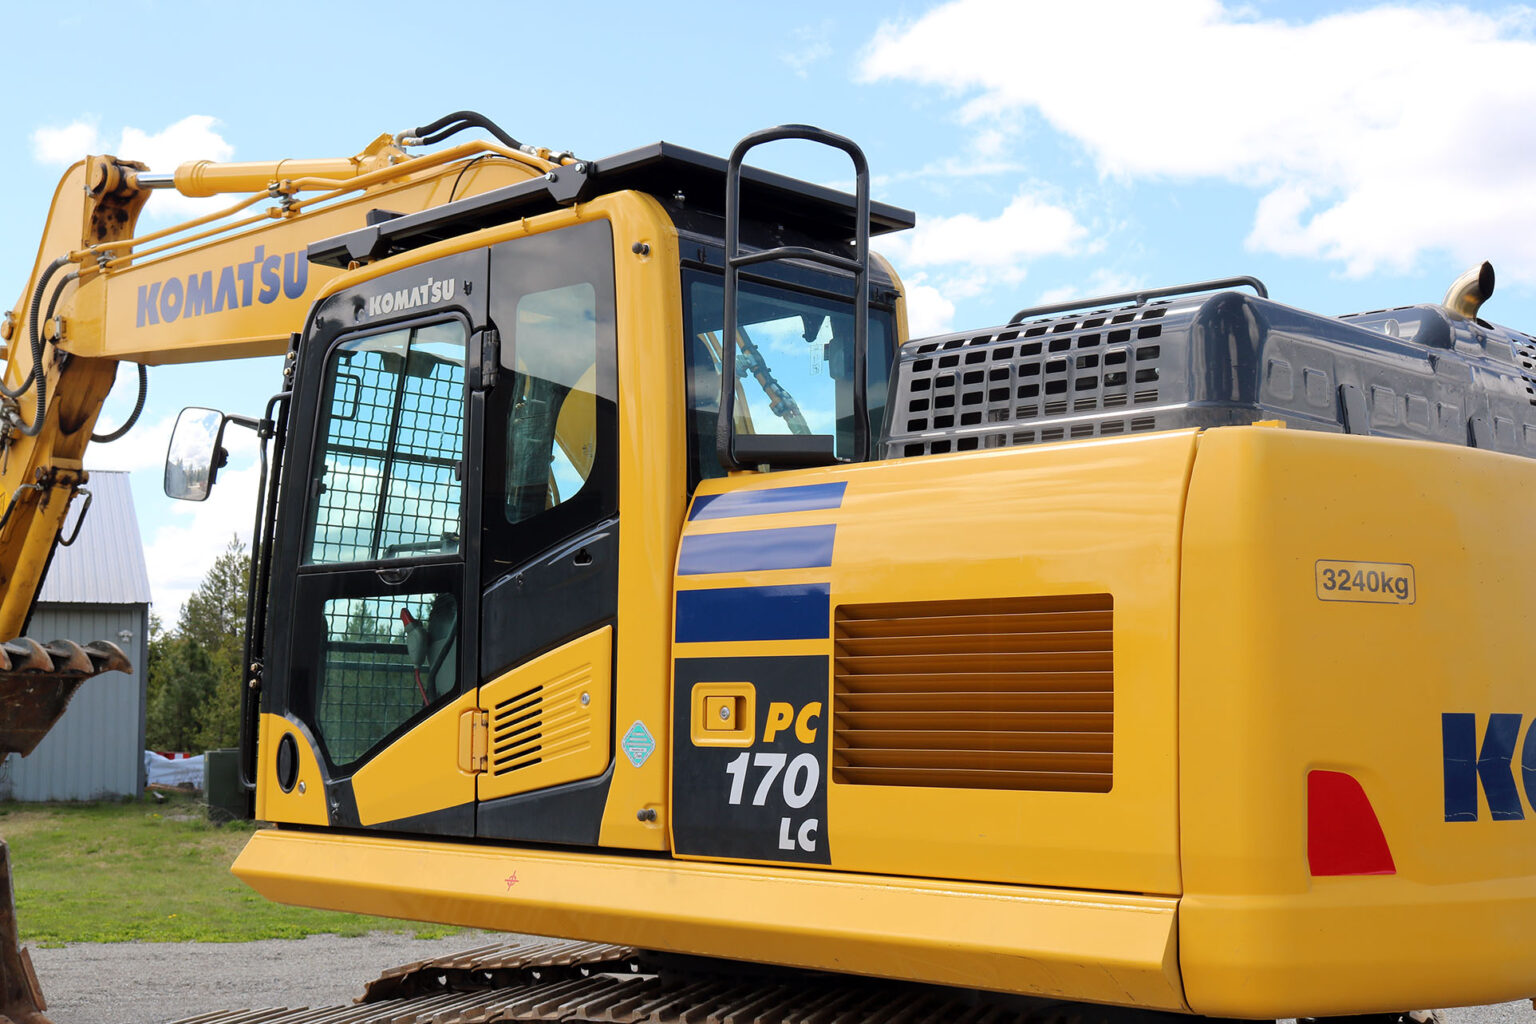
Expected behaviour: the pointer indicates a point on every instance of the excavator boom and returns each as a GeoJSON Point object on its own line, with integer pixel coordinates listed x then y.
{"type": "Point", "coordinates": [232, 283]}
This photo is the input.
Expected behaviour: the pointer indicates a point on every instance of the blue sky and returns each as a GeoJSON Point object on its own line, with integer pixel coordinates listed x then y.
{"type": "Point", "coordinates": [1353, 156]}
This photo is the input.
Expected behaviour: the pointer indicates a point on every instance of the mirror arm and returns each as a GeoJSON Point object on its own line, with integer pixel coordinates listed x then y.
{"type": "Point", "coordinates": [249, 422]}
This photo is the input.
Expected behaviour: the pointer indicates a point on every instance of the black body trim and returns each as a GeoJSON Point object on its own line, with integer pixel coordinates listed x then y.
{"type": "Point", "coordinates": [571, 814]}
{"type": "Point", "coordinates": [562, 594]}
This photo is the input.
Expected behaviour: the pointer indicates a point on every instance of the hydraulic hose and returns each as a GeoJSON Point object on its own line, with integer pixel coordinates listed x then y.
{"type": "Point", "coordinates": [36, 308]}
{"type": "Point", "coordinates": [459, 120]}
{"type": "Point", "coordinates": [35, 334]}
{"type": "Point", "coordinates": [133, 418]}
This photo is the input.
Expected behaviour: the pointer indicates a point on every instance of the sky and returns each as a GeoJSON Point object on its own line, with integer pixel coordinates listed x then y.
{"type": "Point", "coordinates": [1352, 156]}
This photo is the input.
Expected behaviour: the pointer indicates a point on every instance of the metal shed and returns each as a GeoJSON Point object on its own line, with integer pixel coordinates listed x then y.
{"type": "Point", "coordinates": [96, 589]}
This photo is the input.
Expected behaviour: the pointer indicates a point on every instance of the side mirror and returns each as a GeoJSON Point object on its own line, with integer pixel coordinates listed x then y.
{"type": "Point", "coordinates": [195, 455]}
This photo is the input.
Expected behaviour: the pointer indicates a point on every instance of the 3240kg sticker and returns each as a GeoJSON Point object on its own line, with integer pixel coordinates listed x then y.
{"type": "Point", "coordinates": [1366, 582]}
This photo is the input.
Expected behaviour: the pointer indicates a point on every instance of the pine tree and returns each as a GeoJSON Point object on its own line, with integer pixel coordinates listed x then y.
{"type": "Point", "coordinates": [195, 671]}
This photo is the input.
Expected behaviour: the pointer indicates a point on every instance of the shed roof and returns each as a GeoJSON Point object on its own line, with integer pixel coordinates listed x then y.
{"type": "Point", "coordinates": [106, 564]}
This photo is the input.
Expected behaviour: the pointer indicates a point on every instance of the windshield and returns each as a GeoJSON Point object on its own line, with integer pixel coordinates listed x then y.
{"type": "Point", "coordinates": [794, 365]}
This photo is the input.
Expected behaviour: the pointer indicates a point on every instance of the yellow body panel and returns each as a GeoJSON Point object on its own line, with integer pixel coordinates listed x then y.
{"type": "Point", "coordinates": [573, 685]}
{"type": "Point", "coordinates": [1276, 682]}
{"type": "Point", "coordinates": [1088, 518]}
{"type": "Point", "coordinates": [653, 455]}
{"type": "Point", "coordinates": [419, 772]}
{"type": "Point", "coordinates": [1115, 949]}
{"type": "Point", "coordinates": [303, 805]}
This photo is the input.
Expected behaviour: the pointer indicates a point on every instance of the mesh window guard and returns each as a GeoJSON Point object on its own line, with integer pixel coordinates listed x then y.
{"type": "Point", "coordinates": [385, 658]}
{"type": "Point", "coordinates": [390, 482]}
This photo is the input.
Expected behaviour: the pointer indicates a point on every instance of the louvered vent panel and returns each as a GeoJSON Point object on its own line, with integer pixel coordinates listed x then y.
{"type": "Point", "coordinates": [541, 723]}
{"type": "Point", "coordinates": [1005, 694]}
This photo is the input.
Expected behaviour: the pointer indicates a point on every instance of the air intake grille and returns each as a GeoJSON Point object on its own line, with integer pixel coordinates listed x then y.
{"type": "Point", "coordinates": [541, 723]}
{"type": "Point", "coordinates": [517, 731]}
{"type": "Point", "coordinates": [993, 694]}
{"type": "Point", "coordinates": [1046, 381]}
{"type": "Point", "coordinates": [1524, 349]}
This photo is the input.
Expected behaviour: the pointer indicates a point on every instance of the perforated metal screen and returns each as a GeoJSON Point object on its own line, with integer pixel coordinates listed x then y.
{"type": "Point", "coordinates": [378, 668]}
{"type": "Point", "coordinates": [391, 479]}
{"type": "Point", "coordinates": [1211, 361]}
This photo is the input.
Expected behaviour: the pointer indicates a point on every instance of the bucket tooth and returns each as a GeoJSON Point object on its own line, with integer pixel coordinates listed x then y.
{"type": "Point", "coordinates": [69, 657]}
{"type": "Point", "coordinates": [27, 655]}
{"type": "Point", "coordinates": [107, 657]}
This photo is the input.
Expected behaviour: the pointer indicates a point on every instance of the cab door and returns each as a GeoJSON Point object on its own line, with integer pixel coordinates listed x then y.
{"type": "Point", "coordinates": [375, 657]}
{"type": "Point", "coordinates": [549, 543]}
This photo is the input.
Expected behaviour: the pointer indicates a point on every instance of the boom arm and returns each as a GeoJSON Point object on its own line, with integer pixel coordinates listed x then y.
{"type": "Point", "coordinates": [226, 285]}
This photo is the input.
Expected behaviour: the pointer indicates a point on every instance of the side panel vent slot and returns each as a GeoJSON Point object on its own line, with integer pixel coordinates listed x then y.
{"type": "Point", "coordinates": [549, 719]}
{"type": "Point", "coordinates": [1015, 693]}
{"type": "Point", "coordinates": [517, 731]}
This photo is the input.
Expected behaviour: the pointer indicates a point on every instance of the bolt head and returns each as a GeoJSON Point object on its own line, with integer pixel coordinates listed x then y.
{"type": "Point", "coordinates": [586, 699]}
{"type": "Point", "coordinates": [725, 714]}
{"type": "Point", "coordinates": [551, 176]}
{"type": "Point", "coordinates": [301, 786]}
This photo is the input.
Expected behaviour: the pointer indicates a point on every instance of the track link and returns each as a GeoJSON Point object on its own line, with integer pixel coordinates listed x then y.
{"type": "Point", "coordinates": [592, 983]}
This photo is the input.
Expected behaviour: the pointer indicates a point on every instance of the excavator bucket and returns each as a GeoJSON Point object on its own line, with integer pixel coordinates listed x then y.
{"type": "Point", "coordinates": [36, 683]}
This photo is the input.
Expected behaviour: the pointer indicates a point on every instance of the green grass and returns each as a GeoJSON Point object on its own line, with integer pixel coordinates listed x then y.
{"type": "Point", "coordinates": [157, 872]}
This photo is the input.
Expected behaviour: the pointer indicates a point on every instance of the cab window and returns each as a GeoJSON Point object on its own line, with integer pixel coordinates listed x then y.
{"type": "Point", "coordinates": [794, 365]}
{"type": "Point", "coordinates": [389, 481]}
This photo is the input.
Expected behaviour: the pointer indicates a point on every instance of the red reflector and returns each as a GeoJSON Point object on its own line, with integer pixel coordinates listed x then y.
{"type": "Point", "coordinates": [1343, 835]}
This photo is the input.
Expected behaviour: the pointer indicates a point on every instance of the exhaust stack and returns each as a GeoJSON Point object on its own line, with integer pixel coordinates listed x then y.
{"type": "Point", "coordinates": [1470, 290]}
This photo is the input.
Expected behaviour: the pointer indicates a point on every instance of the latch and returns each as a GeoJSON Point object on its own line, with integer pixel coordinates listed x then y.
{"type": "Point", "coordinates": [474, 740]}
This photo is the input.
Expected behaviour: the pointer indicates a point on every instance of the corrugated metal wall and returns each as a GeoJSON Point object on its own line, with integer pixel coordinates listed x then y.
{"type": "Point", "coordinates": [97, 748]}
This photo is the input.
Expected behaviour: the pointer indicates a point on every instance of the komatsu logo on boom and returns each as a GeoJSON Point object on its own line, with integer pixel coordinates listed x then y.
{"type": "Point", "coordinates": [259, 279]}
{"type": "Point", "coordinates": [401, 299]}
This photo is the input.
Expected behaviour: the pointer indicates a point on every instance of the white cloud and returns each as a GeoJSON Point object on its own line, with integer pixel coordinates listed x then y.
{"type": "Point", "coordinates": [63, 146]}
{"type": "Point", "coordinates": [141, 448]}
{"type": "Point", "coordinates": [190, 535]}
{"type": "Point", "coordinates": [192, 138]}
{"type": "Point", "coordinates": [928, 310]}
{"type": "Point", "coordinates": [808, 45]}
{"type": "Point", "coordinates": [1367, 147]}
{"type": "Point", "coordinates": [948, 258]}
{"type": "Point", "coordinates": [1030, 226]}
{"type": "Point", "coordinates": [1100, 282]}
{"type": "Point", "coordinates": [182, 550]}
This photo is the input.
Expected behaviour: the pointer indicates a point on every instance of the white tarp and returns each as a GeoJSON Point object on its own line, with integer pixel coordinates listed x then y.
{"type": "Point", "coordinates": [160, 770]}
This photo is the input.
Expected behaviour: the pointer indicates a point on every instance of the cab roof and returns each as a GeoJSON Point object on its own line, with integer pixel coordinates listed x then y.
{"type": "Point", "coordinates": [670, 172]}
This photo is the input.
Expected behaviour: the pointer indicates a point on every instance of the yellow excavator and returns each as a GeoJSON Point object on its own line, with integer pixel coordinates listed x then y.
{"type": "Point", "coordinates": [624, 572]}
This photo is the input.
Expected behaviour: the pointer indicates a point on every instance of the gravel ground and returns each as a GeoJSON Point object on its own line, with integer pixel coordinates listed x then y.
{"type": "Point", "coordinates": [154, 982]}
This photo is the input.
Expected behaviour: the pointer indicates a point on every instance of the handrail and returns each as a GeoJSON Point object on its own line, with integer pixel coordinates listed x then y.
{"type": "Point", "coordinates": [1140, 297]}
{"type": "Point", "coordinates": [735, 260]}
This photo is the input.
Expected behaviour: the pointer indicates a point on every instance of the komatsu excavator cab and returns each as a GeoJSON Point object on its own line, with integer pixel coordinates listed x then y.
{"type": "Point", "coordinates": [470, 467]}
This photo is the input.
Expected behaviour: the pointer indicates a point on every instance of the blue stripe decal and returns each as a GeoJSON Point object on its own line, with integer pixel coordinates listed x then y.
{"type": "Point", "coordinates": [807, 498]}
{"type": "Point", "coordinates": [795, 547]}
{"type": "Point", "coordinates": [801, 611]}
